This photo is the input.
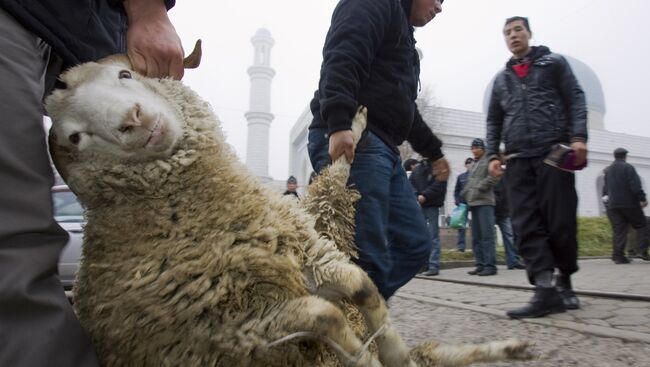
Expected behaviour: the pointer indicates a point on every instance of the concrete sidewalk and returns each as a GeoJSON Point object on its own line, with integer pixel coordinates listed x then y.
{"type": "Point", "coordinates": [604, 316]}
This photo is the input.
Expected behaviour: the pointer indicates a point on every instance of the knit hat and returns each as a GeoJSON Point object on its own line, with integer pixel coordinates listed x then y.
{"type": "Point", "coordinates": [478, 143]}
{"type": "Point", "coordinates": [292, 180]}
{"type": "Point", "coordinates": [620, 152]}
{"type": "Point", "coordinates": [469, 160]}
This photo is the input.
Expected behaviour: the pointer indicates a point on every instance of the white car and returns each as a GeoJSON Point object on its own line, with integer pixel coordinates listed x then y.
{"type": "Point", "coordinates": [70, 215]}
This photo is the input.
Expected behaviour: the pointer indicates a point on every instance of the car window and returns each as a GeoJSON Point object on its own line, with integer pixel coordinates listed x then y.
{"type": "Point", "coordinates": [66, 207]}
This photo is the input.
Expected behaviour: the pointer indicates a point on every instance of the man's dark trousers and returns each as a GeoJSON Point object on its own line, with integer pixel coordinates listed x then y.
{"type": "Point", "coordinates": [37, 324]}
{"type": "Point", "coordinates": [543, 203]}
{"type": "Point", "coordinates": [621, 219]}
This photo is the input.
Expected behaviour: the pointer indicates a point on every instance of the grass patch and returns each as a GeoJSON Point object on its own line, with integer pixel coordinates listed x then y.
{"type": "Point", "coordinates": [594, 239]}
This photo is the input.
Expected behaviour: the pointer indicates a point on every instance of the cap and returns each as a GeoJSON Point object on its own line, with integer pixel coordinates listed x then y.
{"type": "Point", "coordinates": [478, 143]}
{"type": "Point", "coordinates": [469, 160]}
{"type": "Point", "coordinates": [620, 152]}
{"type": "Point", "coordinates": [292, 180]}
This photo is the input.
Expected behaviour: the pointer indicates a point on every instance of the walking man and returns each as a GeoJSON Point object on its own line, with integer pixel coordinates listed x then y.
{"type": "Point", "coordinates": [369, 59]}
{"type": "Point", "coordinates": [431, 196]}
{"type": "Point", "coordinates": [536, 103]}
{"type": "Point", "coordinates": [461, 181]}
{"type": "Point", "coordinates": [479, 194]}
{"type": "Point", "coordinates": [625, 202]}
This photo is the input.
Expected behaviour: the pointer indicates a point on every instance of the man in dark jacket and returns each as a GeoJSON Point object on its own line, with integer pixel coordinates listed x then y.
{"type": "Point", "coordinates": [39, 38]}
{"type": "Point", "coordinates": [430, 194]}
{"type": "Point", "coordinates": [369, 59]}
{"type": "Point", "coordinates": [536, 102]}
{"type": "Point", "coordinates": [461, 181]}
{"type": "Point", "coordinates": [625, 202]}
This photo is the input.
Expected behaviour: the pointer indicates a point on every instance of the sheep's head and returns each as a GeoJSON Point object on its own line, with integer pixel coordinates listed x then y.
{"type": "Point", "coordinates": [109, 110]}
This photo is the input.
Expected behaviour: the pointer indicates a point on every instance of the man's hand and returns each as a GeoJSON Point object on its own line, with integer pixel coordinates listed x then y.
{"type": "Point", "coordinates": [440, 168]}
{"type": "Point", "coordinates": [421, 199]}
{"type": "Point", "coordinates": [342, 142]}
{"type": "Point", "coordinates": [151, 40]}
{"type": "Point", "coordinates": [494, 168]}
{"type": "Point", "coordinates": [580, 150]}
{"type": "Point", "coordinates": [644, 204]}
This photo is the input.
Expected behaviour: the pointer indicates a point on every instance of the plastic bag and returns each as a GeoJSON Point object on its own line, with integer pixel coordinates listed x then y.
{"type": "Point", "coordinates": [458, 217]}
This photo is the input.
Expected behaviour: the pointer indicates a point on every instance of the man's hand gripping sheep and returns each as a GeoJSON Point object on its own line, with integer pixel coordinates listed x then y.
{"type": "Point", "coordinates": [181, 267]}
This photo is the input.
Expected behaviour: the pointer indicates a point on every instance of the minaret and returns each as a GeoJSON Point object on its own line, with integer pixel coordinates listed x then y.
{"type": "Point", "coordinates": [259, 114]}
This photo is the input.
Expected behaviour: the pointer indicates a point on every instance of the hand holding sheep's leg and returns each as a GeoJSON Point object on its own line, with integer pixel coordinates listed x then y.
{"type": "Point", "coordinates": [326, 321]}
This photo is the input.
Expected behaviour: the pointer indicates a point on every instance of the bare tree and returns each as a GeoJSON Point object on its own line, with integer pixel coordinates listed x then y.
{"type": "Point", "coordinates": [427, 106]}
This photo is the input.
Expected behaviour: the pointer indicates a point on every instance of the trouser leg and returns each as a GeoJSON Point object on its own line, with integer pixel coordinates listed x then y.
{"type": "Point", "coordinates": [619, 232]}
{"type": "Point", "coordinates": [558, 204]}
{"type": "Point", "coordinates": [431, 217]}
{"type": "Point", "coordinates": [528, 222]}
{"type": "Point", "coordinates": [477, 248]}
{"type": "Point", "coordinates": [37, 325]}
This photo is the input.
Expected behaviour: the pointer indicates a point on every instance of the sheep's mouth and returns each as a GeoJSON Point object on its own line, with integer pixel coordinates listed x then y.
{"type": "Point", "coordinates": [156, 134]}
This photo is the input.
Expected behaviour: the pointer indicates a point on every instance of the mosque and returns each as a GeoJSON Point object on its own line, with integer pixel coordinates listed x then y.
{"type": "Point", "coordinates": [456, 128]}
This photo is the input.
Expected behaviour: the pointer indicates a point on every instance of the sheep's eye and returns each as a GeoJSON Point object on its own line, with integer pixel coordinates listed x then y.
{"type": "Point", "coordinates": [124, 129]}
{"type": "Point", "coordinates": [124, 74]}
{"type": "Point", "coordinates": [75, 138]}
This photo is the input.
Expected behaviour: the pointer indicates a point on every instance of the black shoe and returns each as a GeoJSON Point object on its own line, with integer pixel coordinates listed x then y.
{"type": "Point", "coordinates": [430, 273]}
{"type": "Point", "coordinates": [621, 260]}
{"type": "Point", "coordinates": [643, 256]}
{"type": "Point", "coordinates": [487, 272]}
{"type": "Point", "coordinates": [475, 271]}
{"type": "Point", "coordinates": [517, 266]}
{"type": "Point", "coordinates": [546, 301]}
{"type": "Point", "coordinates": [564, 288]}
{"type": "Point", "coordinates": [461, 250]}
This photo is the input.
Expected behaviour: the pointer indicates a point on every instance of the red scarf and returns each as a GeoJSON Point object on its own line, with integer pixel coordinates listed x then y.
{"type": "Point", "coordinates": [521, 69]}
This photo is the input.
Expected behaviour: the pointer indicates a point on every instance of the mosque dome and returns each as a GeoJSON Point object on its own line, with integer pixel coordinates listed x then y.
{"type": "Point", "coordinates": [588, 81]}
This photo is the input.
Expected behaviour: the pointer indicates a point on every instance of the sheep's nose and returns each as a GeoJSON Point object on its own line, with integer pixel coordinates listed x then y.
{"type": "Point", "coordinates": [132, 120]}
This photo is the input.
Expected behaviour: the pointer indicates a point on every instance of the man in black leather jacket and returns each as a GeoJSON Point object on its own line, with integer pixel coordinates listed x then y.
{"type": "Point", "coordinates": [536, 102]}
{"type": "Point", "coordinates": [39, 39]}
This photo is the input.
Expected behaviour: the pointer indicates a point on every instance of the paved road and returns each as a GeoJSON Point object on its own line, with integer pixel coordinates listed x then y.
{"type": "Point", "coordinates": [604, 332]}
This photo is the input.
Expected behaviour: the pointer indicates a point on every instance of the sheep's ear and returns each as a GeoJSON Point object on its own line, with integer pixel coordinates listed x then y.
{"type": "Point", "coordinates": [193, 60]}
{"type": "Point", "coordinates": [61, 156]}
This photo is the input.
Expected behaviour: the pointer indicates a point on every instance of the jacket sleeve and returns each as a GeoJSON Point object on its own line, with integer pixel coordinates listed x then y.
{"type": "Point", "coordinates": [635, 184]}
{"type": "Point", "coordinates": [355, 35]}
{"type": "Point", "coordinates": [423, 140]}
{"type": "Point", "coordinates": [494, 120]}
{"type": "Point", "coordinates": [435, 189]}
{"type": "Point", "coordinates": [487, 183]}
{"type": "Point", "coordinates": [574, 98]}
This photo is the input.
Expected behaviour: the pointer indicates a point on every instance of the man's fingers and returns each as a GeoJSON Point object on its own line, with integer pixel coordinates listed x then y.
{"type": "Point", "coordinates": [138, 62]}
{"type": "Point", "coordinates": [176, 69]}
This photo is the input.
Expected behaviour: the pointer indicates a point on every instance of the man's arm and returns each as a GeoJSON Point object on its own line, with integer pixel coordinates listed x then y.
{"type": "Point", "coordinates": [457, 190]}
{"type": "Point", "coordinates": [494, 124]}
{"type": "Point", "coordinates": [425, 142]}
{"type": "Point", "coordinates": [153, 46]}
{"type": "Point", "coordinates": [635, 184]}
{"type": "Point", "coordinates": [356, 33]}
{"type": "Point", "coordinates": [574, 98]}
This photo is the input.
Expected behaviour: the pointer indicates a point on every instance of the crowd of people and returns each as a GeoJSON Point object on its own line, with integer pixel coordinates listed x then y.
{"type": "Point", "coordinates": [369, 59]}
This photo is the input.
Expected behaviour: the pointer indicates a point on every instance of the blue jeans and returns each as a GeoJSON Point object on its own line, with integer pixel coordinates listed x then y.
{"type": "Point", "coordinates": [431, 218]}
{"type": "Point", "coordinates": [460, 245]}
{"type": "Point", "coordinates": [512, 255]}
{"type": "Point", "coordinates": [393, 241]}
{"type": "Point", "coordinates": [483, 243]}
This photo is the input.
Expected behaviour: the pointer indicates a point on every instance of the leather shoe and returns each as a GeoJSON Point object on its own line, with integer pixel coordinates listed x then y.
{"type": "Point", "coordinates": [475, 271]}
{"type": "Point", "coordinates": [545, 301]}
{"type": "Point", "coordinates": [643, 256]}
{"type": "Point", "coordinates": [621, 260]}
{"type": "Point", "coordinates": [564, 288]}
{"type": "Point", "coordinates": [430, 273]}
{"type": "Point", "coordinates": [517, 266]}
{"type": "Point", "coordinates": [487, 272]}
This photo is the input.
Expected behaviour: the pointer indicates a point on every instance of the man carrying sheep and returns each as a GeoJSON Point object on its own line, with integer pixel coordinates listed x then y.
{"type": "Point", "coordinates": [40, 39]}
{"type": "Point", "coordinates": [369, 59]}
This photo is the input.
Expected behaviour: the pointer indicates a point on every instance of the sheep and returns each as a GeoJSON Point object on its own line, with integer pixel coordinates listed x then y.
{"type": "Point", "coordinates": [189, 260]}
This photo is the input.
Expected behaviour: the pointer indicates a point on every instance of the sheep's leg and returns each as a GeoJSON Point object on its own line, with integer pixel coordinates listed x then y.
{"type": "Point", "coordinates": [434, 354]}
{"type": "Point", "coordinates": [325, 320]}
{"type": "Point", "coordinates": [340, 279]}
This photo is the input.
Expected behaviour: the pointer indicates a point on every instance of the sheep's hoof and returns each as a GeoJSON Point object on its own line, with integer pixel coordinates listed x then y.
{"type": "Point", "coordinates": [518, 350]}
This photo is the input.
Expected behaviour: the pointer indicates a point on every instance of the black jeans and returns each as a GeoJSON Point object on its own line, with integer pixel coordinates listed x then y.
{"type": "Point", "coordinates": [543, 204]}
{"type": "Point", "coordinates": [621, 219]}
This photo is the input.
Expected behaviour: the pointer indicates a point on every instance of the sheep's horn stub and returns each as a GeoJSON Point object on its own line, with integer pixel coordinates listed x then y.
{"type": "Point", "coordinates": [193, 60]}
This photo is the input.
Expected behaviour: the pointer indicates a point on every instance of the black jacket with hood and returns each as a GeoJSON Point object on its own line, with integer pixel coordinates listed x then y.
{"type": "Point", "coordinates": [530, 114]}
{"type": "Point", "coordinates": [76, 30]}
{"type": "Point", "coordinates": [369, 59]}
